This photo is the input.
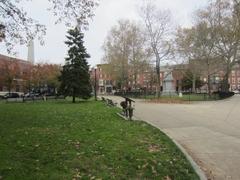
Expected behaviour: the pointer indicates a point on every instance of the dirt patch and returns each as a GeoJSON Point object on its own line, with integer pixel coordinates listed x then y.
{"type": "Point", "coordinates": [153, 148]}
{"type": "Point", "coordinates": [167, 101]}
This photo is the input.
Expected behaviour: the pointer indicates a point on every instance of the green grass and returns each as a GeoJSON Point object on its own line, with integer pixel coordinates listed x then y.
{"type": "Point", "coordinates": [200, 97]}
{"type": "Point", "coordinates": [87, 140]}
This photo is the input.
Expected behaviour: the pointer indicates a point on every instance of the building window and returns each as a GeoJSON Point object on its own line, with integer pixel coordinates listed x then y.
{"type": "Point", "coordinates": [233, 73]}
{"type": "Point", "coordinates": [233, 80]}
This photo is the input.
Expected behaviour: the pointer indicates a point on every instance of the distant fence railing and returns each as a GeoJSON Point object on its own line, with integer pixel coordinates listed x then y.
{"type": "Point", "coordinates": [32, 99]}
{"type": "Point", "coordinates": [185, 96]}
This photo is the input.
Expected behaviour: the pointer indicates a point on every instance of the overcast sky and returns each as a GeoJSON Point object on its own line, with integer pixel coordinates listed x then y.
{"type": "Point", "coordinates": [106, 15]}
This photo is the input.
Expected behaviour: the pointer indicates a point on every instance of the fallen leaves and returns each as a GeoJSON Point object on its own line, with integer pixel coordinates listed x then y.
{"type": "Point", "coordinates": [153, 148]}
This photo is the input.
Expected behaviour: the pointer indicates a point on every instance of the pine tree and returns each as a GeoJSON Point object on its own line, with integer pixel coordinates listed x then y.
{"type": "Point", "coordinates": [75, 77]}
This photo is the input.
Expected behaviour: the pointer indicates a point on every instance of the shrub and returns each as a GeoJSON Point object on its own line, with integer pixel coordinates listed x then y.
{"type": "Point", "coordinates": [224, 95]}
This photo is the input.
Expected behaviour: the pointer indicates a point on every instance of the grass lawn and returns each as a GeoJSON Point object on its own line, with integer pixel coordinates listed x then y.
{"type": "Point", "coordinates": [186, 97]}
{"type": "Point", "coordinates": [200, 97]}
{"type": "Point", "coordinates": [86, 140]}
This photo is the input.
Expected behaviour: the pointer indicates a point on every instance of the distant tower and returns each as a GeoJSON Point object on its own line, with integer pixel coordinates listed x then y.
{"type": "Point", "coordinates": [31, 52]}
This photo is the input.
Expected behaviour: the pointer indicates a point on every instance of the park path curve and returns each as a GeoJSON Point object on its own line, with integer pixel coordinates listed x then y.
{"type": "Point", "coordinates": [208, 131]}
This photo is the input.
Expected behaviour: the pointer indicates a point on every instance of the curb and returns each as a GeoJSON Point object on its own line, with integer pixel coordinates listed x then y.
{"type": "Point", "coordinates": [195, 166]}
{"type": "Point", "coordinates": [133, 118]}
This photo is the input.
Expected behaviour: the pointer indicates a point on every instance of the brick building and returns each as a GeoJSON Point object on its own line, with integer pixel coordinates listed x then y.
{"type": "Point", "coordinates": [146, 80]}
{"type": "Point", "coordinates": [13, 69]}
{"type": "Point", "coordinates": [234, 79]}
{"type": "Point", "coordinates": [105, 82]}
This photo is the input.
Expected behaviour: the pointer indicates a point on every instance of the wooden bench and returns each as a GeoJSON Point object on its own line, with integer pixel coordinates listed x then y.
{"type": "Point", "coordinates": [111, 103]}
{"type": "Point", "coordinates": [103, 99]}
{"type": "Point", "coordinates": [60, 97]}
{"type": "Point", "coordinates": [108, 102]}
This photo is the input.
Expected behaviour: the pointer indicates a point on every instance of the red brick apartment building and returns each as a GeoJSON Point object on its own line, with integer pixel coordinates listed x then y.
{"type": "Point", "coordinates": [145, 80]}
{"type": "Point", "coordinates": [104, 81]}
{"type": "Point", "coordinates": [16, 69]}
{"type": "Point", "coordinates": [234, 79]}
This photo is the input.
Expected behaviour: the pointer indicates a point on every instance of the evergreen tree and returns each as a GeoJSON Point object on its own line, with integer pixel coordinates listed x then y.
{"type": "Point", "coordinates": [75, 77]}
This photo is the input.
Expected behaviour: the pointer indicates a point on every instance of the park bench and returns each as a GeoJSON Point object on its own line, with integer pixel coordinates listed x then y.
{"type": "Point", "coordinates": [111, 103]}
{"type": "Point", "coordinates": [60, 97]}
{"type": "Point", "coordinates": [103, 99]}
{"type": "Point", "coordinates": [51, 97]}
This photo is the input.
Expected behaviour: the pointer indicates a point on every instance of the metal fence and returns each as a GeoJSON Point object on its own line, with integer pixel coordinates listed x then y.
{"type": "Point", "coordinates": [187, 96]}
{"type": "Point", "coordinates": [31, 99]}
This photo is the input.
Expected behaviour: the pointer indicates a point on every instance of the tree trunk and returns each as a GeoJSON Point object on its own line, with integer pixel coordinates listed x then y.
{"type": "Point", "coordinates": [209, 85]}
{"type": "Point", "coordinates": [225, 84]}
{"type": "Point", "coordinates": [74, 96]}
{"type": "Point", "coordinates": [158, 81]}
{"type": "Point", "coordinates": [208, 78]}
{"type": "Point", "coordinates": [135, 81]}
{"type": "Point", "coordinates": [194, 83]}
{"type": "Point", "coordinates": [73, 100]}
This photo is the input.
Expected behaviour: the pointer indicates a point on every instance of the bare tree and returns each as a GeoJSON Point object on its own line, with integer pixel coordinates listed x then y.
{"type": "Point", "coordinates": [222, 16]}
{"type": "Point", "coordinates": [16, 27]}
{"type": "Point", "coordinates": [197, 44]}
{"type": "Point", "coordinates": [139, 52]}
{"type": "Point", "coordinates": [157, 23]}
{"type": "Point", "coordinates": [126, 52]}
{"type": "Point", "coordinates": [117, 52]}
{"type": "Point", "coordinates": [184, 48]}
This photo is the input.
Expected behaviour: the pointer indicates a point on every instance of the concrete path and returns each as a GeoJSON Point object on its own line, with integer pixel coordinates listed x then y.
{"type": "Point", "coordinates": [209, 132]}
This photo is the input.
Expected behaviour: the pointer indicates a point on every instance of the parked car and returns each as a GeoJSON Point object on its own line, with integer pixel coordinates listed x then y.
{"type": "Point", "coordinates": [11, 95]}
{"type": "Point", "coordinates": [236, 92]}
{"type": "Point", "coordinates": [31, 94]}
{"type": "Point", "coordinates": [2, 94]}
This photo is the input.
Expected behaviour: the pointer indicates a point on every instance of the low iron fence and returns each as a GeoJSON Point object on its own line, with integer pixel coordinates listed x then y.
{"type": "Point", "coordinates": [32, 99]}
{"type": "Point", "coordinates": [185, 96]}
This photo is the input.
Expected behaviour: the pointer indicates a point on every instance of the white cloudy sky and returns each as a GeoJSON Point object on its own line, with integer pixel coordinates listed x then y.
{"type": "Point", "coordinates": [106, 16]}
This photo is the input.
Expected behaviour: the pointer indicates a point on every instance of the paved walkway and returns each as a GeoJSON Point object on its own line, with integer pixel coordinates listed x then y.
{"type": "Point", "coordinates": [209, 132]}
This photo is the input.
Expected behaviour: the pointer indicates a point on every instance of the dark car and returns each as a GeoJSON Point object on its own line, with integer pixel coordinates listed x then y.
{"type": "Point", "coordinates": [11, 95]}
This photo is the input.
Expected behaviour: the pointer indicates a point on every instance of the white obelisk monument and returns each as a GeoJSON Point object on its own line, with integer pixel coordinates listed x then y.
{"type": "Point", "coordinates": [31, 57]}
